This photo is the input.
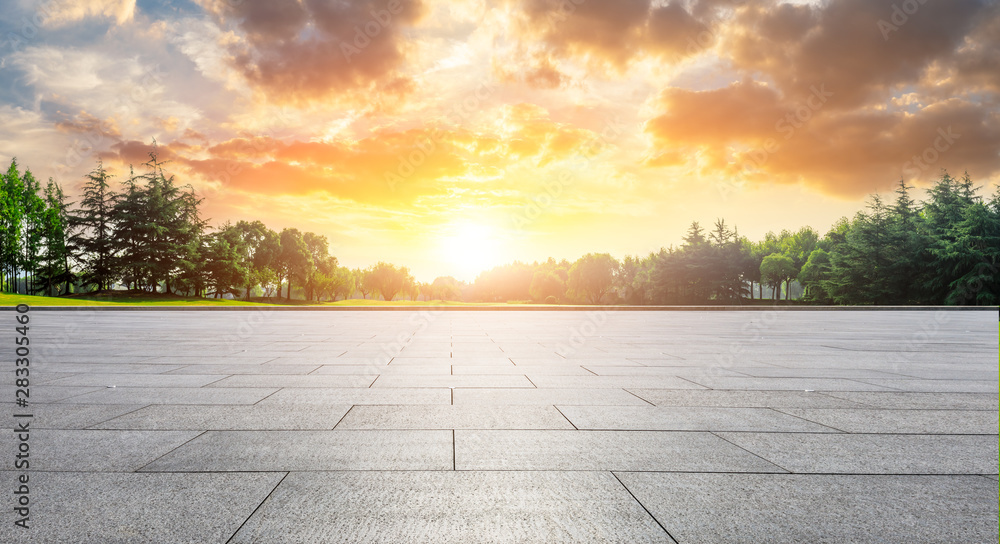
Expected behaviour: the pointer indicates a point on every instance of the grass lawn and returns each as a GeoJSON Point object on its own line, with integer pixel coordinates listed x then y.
{"type": "Point", "coordinates": [131, 298]}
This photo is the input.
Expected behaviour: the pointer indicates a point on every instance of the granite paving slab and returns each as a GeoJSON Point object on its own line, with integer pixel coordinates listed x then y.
{"type": "Point", "coordinates": [902, 421]}
{"type": "Point", "coordinates": [100, 451]}
{"type": "Point", "coordinates": [451, 507]}
{"type": "Point", "coordinates": [227, 451]}
{"type": "Point", "coordinates": [171, 395]}
{"type": "Point", "coordinates": [454, 417]}
{"type": "Point", "coordinates": [873, 453]}
{"type": "Point", "coordinates": [233, 417]}
{"type": "Point", "coordinates": [795, 508]}
{"type": "Point", "coordinates": [687, 418]}
{"type": "Point", "coordinates": [136, 508]}
{"type": "Point", "coordinates": [603, 450]}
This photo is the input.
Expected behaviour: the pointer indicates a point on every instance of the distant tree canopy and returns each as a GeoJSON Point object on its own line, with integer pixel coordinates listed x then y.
{"type": "Point", "coordinates": [146, 233]}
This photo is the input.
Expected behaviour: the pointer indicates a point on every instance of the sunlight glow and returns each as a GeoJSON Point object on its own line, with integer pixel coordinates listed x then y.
{"type": "Point", "coordinates": [469, 248]}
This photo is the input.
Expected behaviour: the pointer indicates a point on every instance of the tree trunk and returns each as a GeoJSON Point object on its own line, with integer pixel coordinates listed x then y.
{"type": "Point", "coordinates": [289, 297]}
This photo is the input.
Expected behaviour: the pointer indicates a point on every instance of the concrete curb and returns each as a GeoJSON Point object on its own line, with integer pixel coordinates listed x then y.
{"type": "Point", "coordinates": [509, 308]}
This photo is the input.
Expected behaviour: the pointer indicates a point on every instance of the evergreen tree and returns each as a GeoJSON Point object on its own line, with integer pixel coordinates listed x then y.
{"type": "Point", "coordinates": [860, 270]}
{"type": "Point", "coordinates": [54, 261]}
{"type": "Point", "coordinates": [11, 223]}
{"type": "Point", "coordinates": [93, 238]}
{"type": "Point", "coordinates": [941, 214]}
{"type": "Point", "coordinates": [33, 216]}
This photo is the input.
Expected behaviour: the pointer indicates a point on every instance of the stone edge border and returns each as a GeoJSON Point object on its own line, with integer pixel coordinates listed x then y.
{"type": "Point", "coordinates": [512, 308]}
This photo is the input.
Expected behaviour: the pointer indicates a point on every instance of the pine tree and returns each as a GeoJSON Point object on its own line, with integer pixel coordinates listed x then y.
{"type": "Point", "coordinates": [860, 267]}
{"type": "Point", "coordinates": [11, 226]}
{"type": "Point", "coordinates": [54, 263]}
{"type": "Point", "coordinates": [93, 228]}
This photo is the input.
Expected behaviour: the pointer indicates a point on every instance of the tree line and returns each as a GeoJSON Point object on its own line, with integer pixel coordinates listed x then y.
{"type": "Point", "coordinates": [146, 233]}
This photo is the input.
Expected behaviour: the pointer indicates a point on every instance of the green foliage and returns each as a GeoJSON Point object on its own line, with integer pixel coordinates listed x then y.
{"type": "Point", "coordinates": [592, 276]}
{"type": "Point", "coordinates": [776, 269]}
{"type": "Point", "coordinates": [54, 263]}
{"type": "Point", "coordinates": [546, 284]}
{"type": "Point", "coordinates": [295, 260]}
{"type": "Point", "coordinates": [149, 232]}
{"type": "Point", "coordinates": [814, 275]}
{"type": "Point", "coordinates": [506, 282]}
{"type": "Point", "coordinates": [389, 280]}
{"type": "Point", "coordinates": [445, 288]}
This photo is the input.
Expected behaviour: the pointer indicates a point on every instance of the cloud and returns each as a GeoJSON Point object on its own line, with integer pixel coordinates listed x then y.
{"type": "Point", "coordinates": [62, 13]}
{"type": "Point", "coordinates": [608, 35]}
{"type": "Point", "coordinates": [750, 133]}
{"type": "Point", "coordinates": [298, 52]}
{"type": "Point", "coordinates": [841, 44]}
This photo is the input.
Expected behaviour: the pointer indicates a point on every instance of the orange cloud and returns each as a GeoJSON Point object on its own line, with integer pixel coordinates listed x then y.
{"type": "Point", "coordinates": [300, 52]}
{"type": "Point", "coordinates": [845, 45]}
{"type": "Point", "coordinates": [611, 34]}
{"type": "Point", "coordinates": [751, 133]}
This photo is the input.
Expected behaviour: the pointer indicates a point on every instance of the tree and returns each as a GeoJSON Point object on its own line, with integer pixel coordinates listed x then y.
{"type": "Point", "coordinates": [970, 253]}
{"type": "Point", "coordinates": [226, 269]}
{"type": "Point", "coordinates": [774, 270]}
{"type": "Point", "coordinates": [364, 281]}
{"type": "Point", "coordinates": [860, 268]}
{"type": "Point", "coordinates": [261, 250]}
{"type": "Point", "coordinates": [321, 264]}
{"type": "Point", "coordinates": [294, 261]}
{"type": "Point", "coordinates": [94, 237]}
{"type": "Point", "coordinates": [10, 225]}
{"type": "Point", "coordinates": [593, 275]}
{"type": "Point", "coordinates": [157, 230]}
{"type": "Point", "coordinates": [54, 262]}
{"type": "Point", "coordinates": [33, 215]}
{"type": "Point", "coordinates": [445, 288]}
{"type": "Point", "coordinates": [946, 208]}
{"type": "Point", "coordinates": [388, 279]}
{"type": "Point", "coordinates": [174, 225]}
{"type": "Point", "coordinates": [506, 282]}
{"type": "Point", "coordinates": [341, 283]}
{"type": "Point", "coordinates": [814, 275]}
{"type": "Point", "coordinates": [545, 284]}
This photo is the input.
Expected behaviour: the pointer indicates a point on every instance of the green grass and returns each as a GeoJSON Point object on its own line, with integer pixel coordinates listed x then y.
{"type": "Point", "coordinates": [132, 298]}
{"type": "Point", "coordinates": [148, 299]}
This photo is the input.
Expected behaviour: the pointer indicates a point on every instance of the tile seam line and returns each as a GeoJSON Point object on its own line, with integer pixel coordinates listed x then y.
{"type": "Point", "coordinates": [768, 461]}
{"type": "Point", "coordinates": [268, 496]}
{"type": "Point", "coordinates": [643, 506]}
{"type": "Point", "coordinates": [773, 409]}
{"type": "Point", "coordinates": [186, 442]}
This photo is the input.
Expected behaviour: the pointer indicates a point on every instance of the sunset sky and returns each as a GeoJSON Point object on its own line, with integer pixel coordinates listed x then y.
{"type": "Point", "coordinates": [449, 136]}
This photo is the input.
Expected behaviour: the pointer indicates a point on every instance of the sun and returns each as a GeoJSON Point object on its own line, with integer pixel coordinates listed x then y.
{"type": "Point", "coordinates": [469, 248]}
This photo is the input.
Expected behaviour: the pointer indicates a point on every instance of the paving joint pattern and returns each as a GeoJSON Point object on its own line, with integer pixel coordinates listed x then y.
{"type": "Point", "coordinates": [661, 426]}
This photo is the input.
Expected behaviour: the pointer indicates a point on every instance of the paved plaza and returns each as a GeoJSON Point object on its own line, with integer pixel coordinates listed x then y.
{"type": "Point", "coordinates": [507, 426]}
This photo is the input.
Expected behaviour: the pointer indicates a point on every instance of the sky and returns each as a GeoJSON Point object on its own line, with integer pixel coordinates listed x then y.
{"type": "Point", "coordinates": [451, 136]}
